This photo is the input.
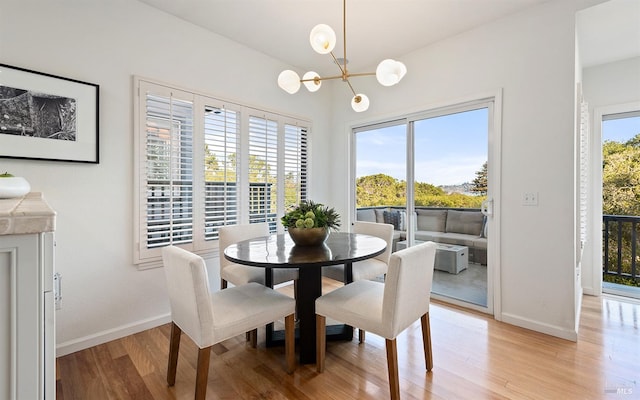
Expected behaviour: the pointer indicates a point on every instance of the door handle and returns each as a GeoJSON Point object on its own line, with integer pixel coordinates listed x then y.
{"type": "Point", "coordinates": [486, 208]}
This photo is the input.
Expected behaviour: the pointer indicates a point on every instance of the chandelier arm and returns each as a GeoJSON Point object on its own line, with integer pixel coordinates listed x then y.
{"type": "Point", "coordinates": [326, 78]}
{"type": "Point", "coordinates": [361, 74]}
{"type": "Point", "coordinates": [350, 87]}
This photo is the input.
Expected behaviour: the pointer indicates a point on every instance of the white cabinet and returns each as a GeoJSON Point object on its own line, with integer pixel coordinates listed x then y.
{"type": "Point", "coordinates": [27, 319]}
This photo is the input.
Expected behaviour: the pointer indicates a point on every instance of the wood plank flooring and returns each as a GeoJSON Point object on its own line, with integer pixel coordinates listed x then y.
{"type": "Point", "coordinates": [475, 357]}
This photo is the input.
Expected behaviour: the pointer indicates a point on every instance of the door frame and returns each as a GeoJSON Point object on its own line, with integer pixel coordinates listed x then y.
{"type": "Point", "coordinates": [592, 275]}
{"type": "Point", "coordinates": [494, 174]}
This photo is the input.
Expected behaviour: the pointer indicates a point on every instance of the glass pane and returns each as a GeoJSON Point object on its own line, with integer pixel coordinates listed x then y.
{"type": "Point", "coordinates": [620, 206]}
{"type": "Point", "coordinates": [381, 170]}
{"type": "Point", "coordinates": [450, 154]}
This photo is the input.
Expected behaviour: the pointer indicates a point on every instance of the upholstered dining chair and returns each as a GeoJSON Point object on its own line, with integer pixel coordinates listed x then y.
{"type": "Point", "coordinates": [372, 267]}
{"type": "Point", "coordinates": [240, 274]}
{"type": "Point", "coordinates": [209, 318]}
{"type": "Point", "coordinates": [385, 309]}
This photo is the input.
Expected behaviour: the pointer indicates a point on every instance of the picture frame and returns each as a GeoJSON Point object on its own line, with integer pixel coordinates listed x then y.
{"type": "Point", "coordinates": [48, 117]}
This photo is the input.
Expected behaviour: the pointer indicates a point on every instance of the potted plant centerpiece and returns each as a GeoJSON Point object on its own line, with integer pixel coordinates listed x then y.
{"type": "Point", "coordinates": [309, 223]}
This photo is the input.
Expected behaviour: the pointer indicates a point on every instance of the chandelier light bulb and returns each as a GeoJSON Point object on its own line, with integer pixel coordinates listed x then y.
{"type": "Point", "coordinates": [390, 72]}
{"type": "Point", "coordinates": [360, 103]}
{"type": "Point", "coordinates": [312, 85]}
{"type": "Point", "coordinates": [322, 39]}
{"type": "Point", "coordinates": [289, 81]}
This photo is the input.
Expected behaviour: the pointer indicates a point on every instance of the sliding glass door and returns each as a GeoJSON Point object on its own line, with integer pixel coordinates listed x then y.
{"type": "Point", "coordinates": [428, 175]}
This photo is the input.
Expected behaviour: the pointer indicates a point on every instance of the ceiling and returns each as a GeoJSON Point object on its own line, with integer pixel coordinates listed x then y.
{"type": "Point", "coordinates": [379, 29]}
{"type": "Point", "coordinates": [609, 32]}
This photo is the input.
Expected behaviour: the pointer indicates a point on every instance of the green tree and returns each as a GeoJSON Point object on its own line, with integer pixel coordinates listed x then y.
{"type": "Point", "coordinates": [479, 184]}
{"type": "Point", "coordinates": [621, 177]}
{"type": "Point", "coordinates": [379, 190]}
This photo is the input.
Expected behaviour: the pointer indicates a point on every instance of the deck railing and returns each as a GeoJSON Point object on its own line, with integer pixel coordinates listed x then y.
{"type": "Point", "coordinates": [620, 262]}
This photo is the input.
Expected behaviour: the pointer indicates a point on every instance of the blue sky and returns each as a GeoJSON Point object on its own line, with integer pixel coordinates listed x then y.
{"type": "Point", "coordinates": [620, 130]}
{"type": "Point", "coordinates": [449, 149]}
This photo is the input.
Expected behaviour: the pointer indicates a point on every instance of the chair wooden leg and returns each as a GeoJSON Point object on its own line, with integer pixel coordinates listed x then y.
{"type": "Point", "coordinates": [392, 365]}
{"type": "Point", "coordinates": [253, 338]}
{"type": "Point", "coordinates": [223, 284]}
{"type": "Point", "coordinates": [174, 346]}
{"type": "Point", "coordinates": [289, 342]}
{"type": "Point", "coordinates": [426, 341]}
{"type": "Point", "coordinates": [361, 333]}
{"type": "Point", "coordinates": [321, 341]}
{"type": "Point", "coordinates": [202, 373]}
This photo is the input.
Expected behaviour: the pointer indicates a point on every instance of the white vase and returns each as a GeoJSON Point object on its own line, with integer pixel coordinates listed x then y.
{"type": "Point", "coordinates": [14, 186]}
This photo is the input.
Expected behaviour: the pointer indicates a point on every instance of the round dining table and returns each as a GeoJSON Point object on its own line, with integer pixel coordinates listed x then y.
{"type": "Point", "coordinates": [279, 251]}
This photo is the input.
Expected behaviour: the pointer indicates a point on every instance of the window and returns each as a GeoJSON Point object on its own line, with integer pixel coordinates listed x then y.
{"type": "Point", "coordinates": [202, 163]}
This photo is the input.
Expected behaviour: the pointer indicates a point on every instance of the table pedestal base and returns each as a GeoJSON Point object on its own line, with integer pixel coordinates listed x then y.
{"type": "Point", "coordinates": [309, 288]}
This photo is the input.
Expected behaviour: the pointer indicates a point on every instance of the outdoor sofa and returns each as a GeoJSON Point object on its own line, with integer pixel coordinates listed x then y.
{"type": "Point", "coordinates": [463, 227]}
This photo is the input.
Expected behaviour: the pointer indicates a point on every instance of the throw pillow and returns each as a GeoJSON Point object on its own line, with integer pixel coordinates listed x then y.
{"type": "Point", "coordinates": [393, 218]}
{"type": "Point", "coordinates": [402, 226]}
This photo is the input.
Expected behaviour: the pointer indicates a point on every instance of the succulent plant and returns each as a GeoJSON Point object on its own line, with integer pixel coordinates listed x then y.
{"type": "Point", "coordinates": [311, 215]}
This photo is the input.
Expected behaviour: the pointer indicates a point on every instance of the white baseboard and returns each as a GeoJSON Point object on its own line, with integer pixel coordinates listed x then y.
{"type": "Point", "coordinates": [71, 346]}
{"type": "Point", "coordinates": [537, 326]}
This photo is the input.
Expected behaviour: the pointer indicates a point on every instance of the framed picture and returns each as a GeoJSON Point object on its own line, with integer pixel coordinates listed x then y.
{"type": "Point", "coordinates": [47, 117]}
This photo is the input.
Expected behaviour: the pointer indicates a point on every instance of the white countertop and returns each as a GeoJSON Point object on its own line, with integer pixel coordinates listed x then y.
{"type": "Point", "coordinates": [28, 214]}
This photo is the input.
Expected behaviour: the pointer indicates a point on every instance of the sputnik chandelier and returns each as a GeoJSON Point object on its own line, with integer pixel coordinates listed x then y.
{"type": "Point", "coordinates": [323, 40]}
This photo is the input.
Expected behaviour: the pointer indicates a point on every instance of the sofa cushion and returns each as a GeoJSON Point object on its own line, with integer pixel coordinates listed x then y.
{"type": "Point", "coordinates": [431, 220]}
{"type": "Point", "coordinates": [379, 215]}
{"type": "Point", "coordinates": [467, 222]}
{"type": "Point", "coordinates": [366, 215]}
{"type": "Point", "coordinates": [459, 239]}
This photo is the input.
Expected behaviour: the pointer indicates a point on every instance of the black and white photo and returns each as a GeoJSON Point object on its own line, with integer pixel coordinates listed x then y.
{"type": "Point", "coordinates": [47, 117]}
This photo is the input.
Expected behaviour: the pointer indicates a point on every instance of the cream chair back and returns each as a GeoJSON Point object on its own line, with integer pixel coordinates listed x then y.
{"type": "Point", "coordinates": [188, 286]}
{"type": "Point", "coordinates": [383, 231]}
{"type": "Point", "coordinates": [230, 234]}
{"type": "Point", "coordinates": [407, 288]}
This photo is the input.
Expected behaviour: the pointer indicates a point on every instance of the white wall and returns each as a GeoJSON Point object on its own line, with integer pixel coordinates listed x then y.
{"type": "Point", "coordinates": [531, 56]}
{"type": "Point", "coordinates": [107, 42]}
{"type": "Point", "coordinates": [606, 88]}
{"type": "Point", "coordinates": [611, 84]}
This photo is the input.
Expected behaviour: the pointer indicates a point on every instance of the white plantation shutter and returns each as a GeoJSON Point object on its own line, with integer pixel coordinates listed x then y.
{"type": "Point", "coordinates": [167, 176]}
{"type": "Point", "coordinates": [203, 163]}
{"type": "Point", "coordinates": [221, 138]}
{"type": "Point", "coordinates": [263, 170]}
{"type": "Point", "coordinates": [584, 170]}
{"type": "Point", "coordinates": [295, 165]}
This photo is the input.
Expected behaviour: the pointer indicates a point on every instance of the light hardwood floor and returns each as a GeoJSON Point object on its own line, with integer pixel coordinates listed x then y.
{"type": "Point", "coordinates": [475, 357]}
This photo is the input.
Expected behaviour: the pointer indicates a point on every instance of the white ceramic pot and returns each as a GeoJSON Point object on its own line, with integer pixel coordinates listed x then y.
{"type": "Point", "coordinates": [14, 186]}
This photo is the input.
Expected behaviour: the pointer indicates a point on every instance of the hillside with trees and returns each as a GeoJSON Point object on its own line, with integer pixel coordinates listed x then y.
{"type": "Point", "coordinates": [384, 190]}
